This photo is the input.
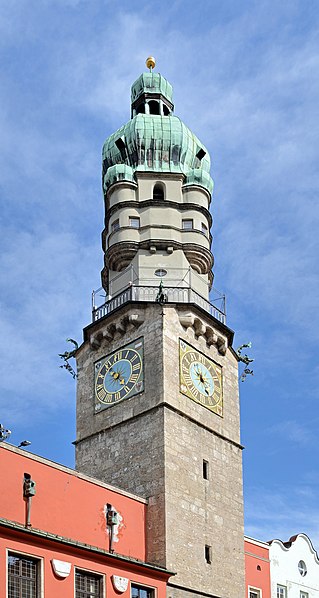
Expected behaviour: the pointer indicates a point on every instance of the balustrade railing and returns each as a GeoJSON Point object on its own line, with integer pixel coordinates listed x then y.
{"type": "Point", "coordinates": [149, 293]}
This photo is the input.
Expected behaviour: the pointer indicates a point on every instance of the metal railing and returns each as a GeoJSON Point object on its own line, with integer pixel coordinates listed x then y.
{"type": "Point", "coordinates": [149, 294]}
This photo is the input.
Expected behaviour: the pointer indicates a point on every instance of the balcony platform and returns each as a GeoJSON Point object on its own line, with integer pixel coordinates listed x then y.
{"type": "Point", "coordinates": [150, 293]}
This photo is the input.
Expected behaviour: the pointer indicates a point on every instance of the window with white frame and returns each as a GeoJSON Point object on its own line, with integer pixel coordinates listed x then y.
{"type": "Point", "coordinates": [134, 222]}
{"type": "Point", "coordinates": [87, 584]}
{"type": "Point", "coordinates": [254, 593]}
{"type": "Point", "coordinates": [23, 576]}
{"type": "Point", "coordinates": [281, 591]}
{"type": "Point", "coordinates": [187, 224]}
{"type": "Point", "coordinates": [141, 592]}
{"type": "Point", "coordinates": [304, 594]}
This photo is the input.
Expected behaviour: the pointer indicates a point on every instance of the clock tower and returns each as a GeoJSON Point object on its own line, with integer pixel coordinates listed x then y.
{"type": "Point", "coordinates": [157, 396]}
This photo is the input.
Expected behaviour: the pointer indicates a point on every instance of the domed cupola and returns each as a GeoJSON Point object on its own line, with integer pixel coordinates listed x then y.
{"type": "Point", "coordinates": [154, 139]}
{"type": "Point", "coordinates": [152, 94]}
{"type": "Point", "coordinates": [157, 189]}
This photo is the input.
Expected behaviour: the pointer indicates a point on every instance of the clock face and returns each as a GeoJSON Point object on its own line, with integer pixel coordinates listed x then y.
{"type": "Point", "coordinates": [119, 375]}
{"type": "Point", "coordinates": [200, 378]}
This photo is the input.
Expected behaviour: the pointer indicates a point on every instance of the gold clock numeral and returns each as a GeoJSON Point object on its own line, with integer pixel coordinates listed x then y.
{"type": "Point", "coordinates": [101, 394]}
{"type": "Point", "coordinates": [184, 368]}
{"type": "Point", "coordinates": [117, 356]}
{"type": "Point", "coordinates": [194, 391]}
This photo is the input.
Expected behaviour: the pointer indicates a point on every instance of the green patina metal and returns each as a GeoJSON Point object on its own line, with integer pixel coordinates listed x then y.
{"type": "Point", "coordinates": [155, 143]}
{"type": "Point", "coordinates": [153, 83]}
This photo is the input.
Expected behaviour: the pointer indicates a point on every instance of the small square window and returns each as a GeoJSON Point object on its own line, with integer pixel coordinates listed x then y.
{"type": "Point", "coordinates": [205, 469]}
{"type": "Point", "coordinates": [187, 224]}
{"type": "Point", "coordinates": [115, 225]}
{"type": "Point", "coordinates": [134, 222]}
{"type": "Point", "coordinates": [208, 554]}
{"type": "Point", "coordinates": [254, 593]}
{"type": "Point", "coordinates": [87, 585]}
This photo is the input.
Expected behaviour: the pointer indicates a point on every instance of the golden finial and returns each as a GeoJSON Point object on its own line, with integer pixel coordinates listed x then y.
{"type": "Point", "coordinates": [150, 63]}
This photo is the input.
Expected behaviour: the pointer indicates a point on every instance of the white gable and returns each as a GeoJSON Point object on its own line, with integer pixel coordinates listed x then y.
{"type": "Point", "coordinates": [295, 567]}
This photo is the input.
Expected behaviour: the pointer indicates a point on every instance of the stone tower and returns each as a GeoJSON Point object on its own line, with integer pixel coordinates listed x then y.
{"type": "Point", "coordinates": [157, 397]}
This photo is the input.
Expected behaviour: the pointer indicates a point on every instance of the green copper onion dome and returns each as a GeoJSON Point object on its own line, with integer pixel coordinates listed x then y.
{"type": "Point", "coordinates": [154, 140]}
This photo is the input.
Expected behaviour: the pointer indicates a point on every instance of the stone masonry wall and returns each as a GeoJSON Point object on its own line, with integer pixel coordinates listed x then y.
{"type": "Point", "coordinates": [154, 443]}
{"type": "Point", "coordinates": [202, 512]}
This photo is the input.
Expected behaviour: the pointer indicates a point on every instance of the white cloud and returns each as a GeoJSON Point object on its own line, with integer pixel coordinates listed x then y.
{"type": "Point", "coordinates": [47, 299]}
{"type": "Point", "coordinates": [293, 431]}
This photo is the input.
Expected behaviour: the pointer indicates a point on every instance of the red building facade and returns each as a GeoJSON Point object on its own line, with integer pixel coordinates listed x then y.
{"type": "Point", "coordinates": [257, 568]}
{"type": "Point", "coordinates": [65, 534]}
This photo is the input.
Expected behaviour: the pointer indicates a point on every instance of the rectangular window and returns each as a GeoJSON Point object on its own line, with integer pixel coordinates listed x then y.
{"type": "Point", "coordinates": [208, 554]}
{"type": "Point", "coordinates": [304, 594]}
{"type": "Point", "coordinates": [23, 576]}
{"type": "Point", "coordinates": [205, 469]}
{"type": "Point", "coordinates": [281, 591]}
{"type": "Point", "coordinates": [87, 585]}
{"type": "Point", "coordinates": [254, 593]}
{"type": "Point", "coordinates": [187, 224]}
{"type": "Point", "coordinates": [115, 225]}
{"type": "Point", "coordinates": [141, 592]}
{"type": "Point", "coordinates": [134, 222]}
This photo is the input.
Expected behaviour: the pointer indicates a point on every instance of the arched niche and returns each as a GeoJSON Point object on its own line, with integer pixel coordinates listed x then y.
{"type": "Point", "coordinates": [159, 191]}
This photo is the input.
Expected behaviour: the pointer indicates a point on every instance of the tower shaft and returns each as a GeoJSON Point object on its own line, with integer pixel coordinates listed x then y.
{"type": "Point", "coordinates": [157, 396]}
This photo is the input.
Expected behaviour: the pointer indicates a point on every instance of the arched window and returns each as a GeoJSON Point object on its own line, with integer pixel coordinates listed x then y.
{"type": "Point", "coordinates": [158, 191]}
{"type": "Point", "coordinates": [165, 110]}
{"type": "Point", "coordinates": [154, 107]}
{"type": "Point", "coordinates": [140, 109]}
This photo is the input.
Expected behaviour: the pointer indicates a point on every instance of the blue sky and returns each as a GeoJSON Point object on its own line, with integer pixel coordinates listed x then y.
{"type": "Point", "coordinates": [245, 79]}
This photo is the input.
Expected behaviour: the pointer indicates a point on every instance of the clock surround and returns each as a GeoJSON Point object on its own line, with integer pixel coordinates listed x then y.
{"type": "Point", "coordinates": [200, 378]}
{"type": "Point", "coordinates": [119, 375]}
